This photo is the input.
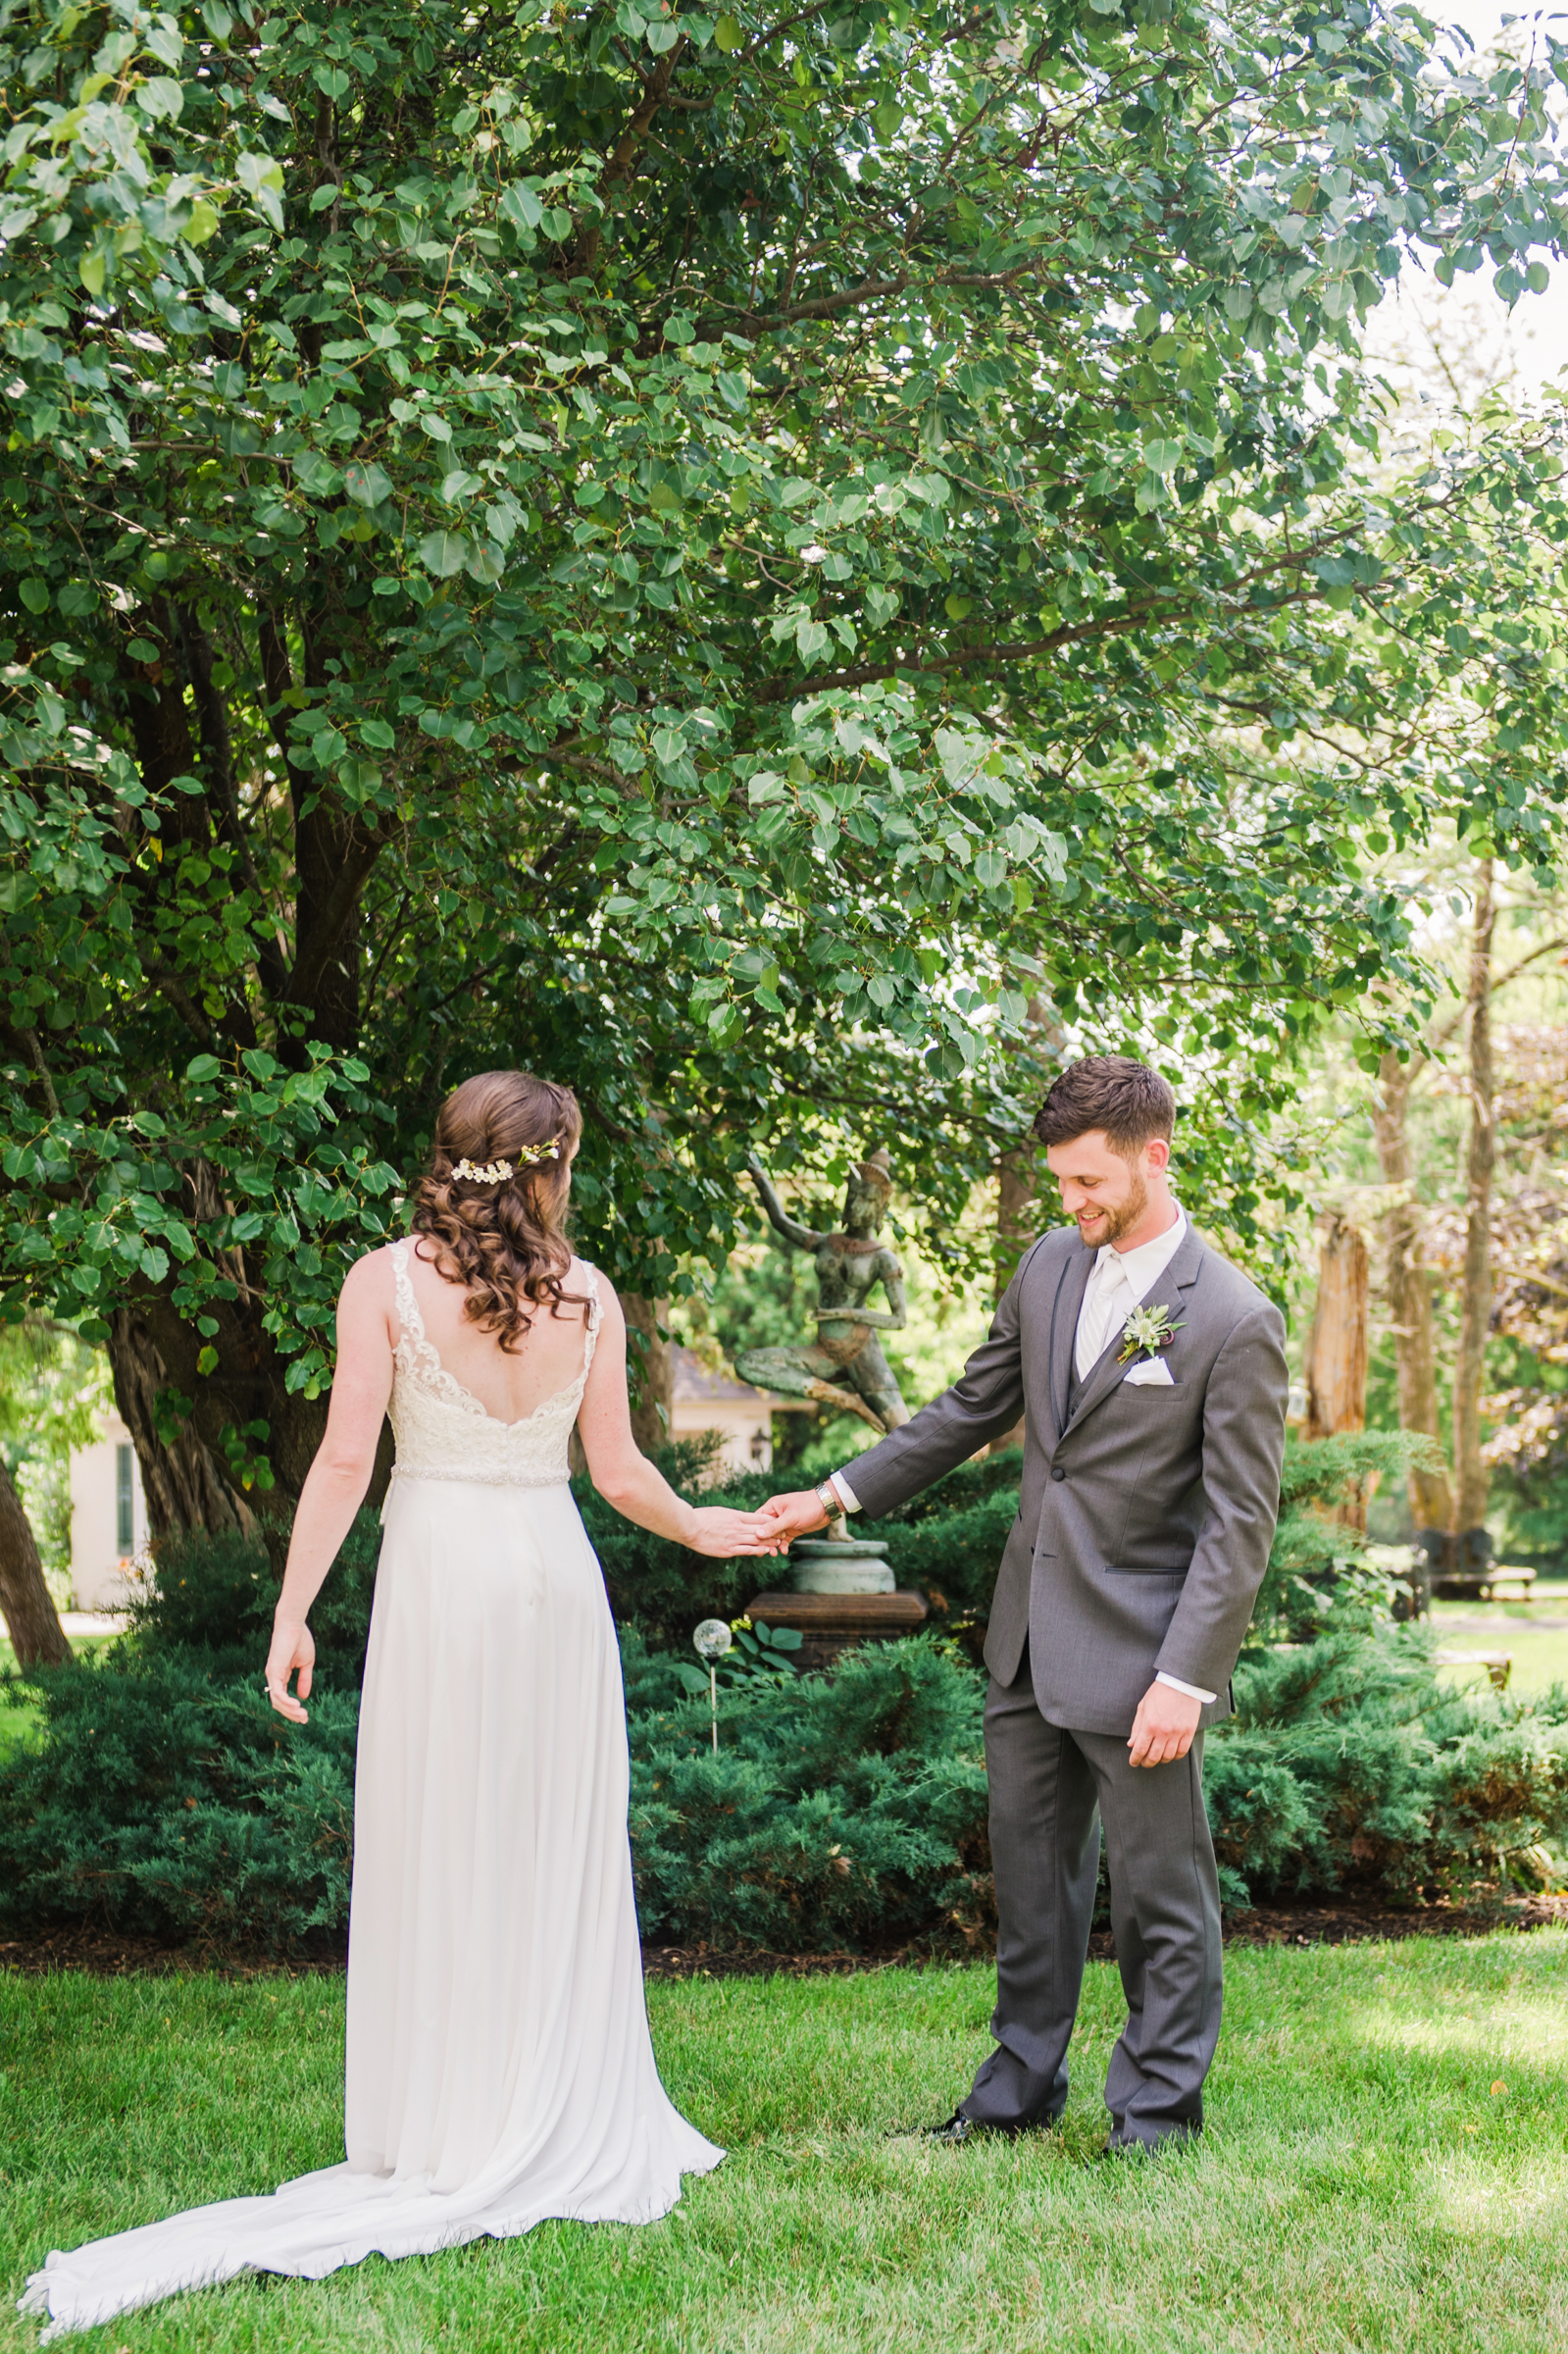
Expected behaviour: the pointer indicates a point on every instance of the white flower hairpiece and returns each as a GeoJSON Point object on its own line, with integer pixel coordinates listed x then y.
{"type": "Point", "coordinates": [496, 1172]}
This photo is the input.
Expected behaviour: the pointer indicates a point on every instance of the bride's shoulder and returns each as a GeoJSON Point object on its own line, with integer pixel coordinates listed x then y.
{"type": "Point", "coordinates": [376, 1274]}
{"type": "Point", "coordinates": [588, 1282]}
{"type": "Point", "coordinates": [383, 1260]}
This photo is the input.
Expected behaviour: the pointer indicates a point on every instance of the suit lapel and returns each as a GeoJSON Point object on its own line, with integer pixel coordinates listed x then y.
{"type": "Point", "coordinates": [1107, 1373]}
{"type": "Point", "coordinates": [1070, 1285]}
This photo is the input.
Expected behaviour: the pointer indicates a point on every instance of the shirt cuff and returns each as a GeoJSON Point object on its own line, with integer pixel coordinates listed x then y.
{"type": "Point", "coordinates": [1191, 1690]}
{"type": "Point", "coordinates": [843, 1491]}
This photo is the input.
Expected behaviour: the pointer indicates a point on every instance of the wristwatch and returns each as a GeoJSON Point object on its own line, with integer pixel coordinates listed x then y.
{"type": "Point", "coordinates": [828, 1496]}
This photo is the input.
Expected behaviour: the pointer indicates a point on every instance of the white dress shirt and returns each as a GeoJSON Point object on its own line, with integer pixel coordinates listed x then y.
{"type": "Point", "coordinates": [1119, 1281]}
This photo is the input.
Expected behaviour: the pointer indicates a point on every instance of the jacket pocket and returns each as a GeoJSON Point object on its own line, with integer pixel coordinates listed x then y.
{"type": "Point", "coordinates": [1140, 1569]}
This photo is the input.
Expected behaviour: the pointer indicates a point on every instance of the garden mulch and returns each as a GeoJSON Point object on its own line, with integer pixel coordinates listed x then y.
{"type": "Point", "coordinates": [112, 1953]}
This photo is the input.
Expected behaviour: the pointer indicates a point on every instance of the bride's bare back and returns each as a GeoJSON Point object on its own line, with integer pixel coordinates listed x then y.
{"type": "Point", "coordinates": [512, 1384]}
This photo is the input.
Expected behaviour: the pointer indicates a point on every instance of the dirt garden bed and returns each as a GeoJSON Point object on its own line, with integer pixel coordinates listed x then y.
{"type": "Point", "coordinates": [112, 1954]}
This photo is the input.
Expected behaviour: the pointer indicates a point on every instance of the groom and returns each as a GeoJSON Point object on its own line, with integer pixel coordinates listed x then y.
{"type": "Point", "coordinates": [1154, 1382]}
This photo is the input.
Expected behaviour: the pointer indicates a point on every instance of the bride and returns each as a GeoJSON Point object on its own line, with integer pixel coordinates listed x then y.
{"type": "Point", "coordinates": [499, 2069]}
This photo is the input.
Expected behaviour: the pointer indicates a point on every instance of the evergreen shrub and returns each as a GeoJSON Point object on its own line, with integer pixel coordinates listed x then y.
{"type": "Point", "coordinates": [214, 1595]}
{"type": "Point", "coordinates": [840, 1812]}
{"type": "Point", "coordinates": [162, 1798]}
{"type": "Point", "coordinates": [161, 1793]}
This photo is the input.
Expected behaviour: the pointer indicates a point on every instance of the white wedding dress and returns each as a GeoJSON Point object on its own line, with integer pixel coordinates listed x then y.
{"type": "Point", "coordinates": [499, 2067]}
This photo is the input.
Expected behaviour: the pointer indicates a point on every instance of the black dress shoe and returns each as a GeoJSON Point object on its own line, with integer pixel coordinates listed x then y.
{"type": "Point", "coordinates": [960, 2128]}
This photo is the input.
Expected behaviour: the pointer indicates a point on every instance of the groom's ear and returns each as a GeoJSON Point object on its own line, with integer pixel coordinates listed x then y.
{"type": "Point", "coordinates": [1157, 1153]}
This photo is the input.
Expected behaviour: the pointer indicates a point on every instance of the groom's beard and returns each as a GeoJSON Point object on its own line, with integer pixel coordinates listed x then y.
{"type": "Point", "coordinates": [1116, 1220]}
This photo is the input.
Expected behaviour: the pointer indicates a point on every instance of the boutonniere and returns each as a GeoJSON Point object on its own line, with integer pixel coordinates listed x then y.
{"type": "Point", "coordinates": [1146, 1333]}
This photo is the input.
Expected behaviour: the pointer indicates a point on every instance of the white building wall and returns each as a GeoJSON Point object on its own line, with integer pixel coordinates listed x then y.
{"type": "Point", "coordinates": [746, 1431]}
{"type": "Point", "coordinates": [107, 1508]}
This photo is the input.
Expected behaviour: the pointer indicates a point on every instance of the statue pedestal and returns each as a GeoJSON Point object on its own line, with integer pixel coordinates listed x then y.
{"type": "Point", "coordinates": [842, 1565]}
{"type": "Point", "coordinates": [831, 1624]}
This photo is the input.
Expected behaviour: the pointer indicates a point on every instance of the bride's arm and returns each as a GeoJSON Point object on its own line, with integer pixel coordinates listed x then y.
{"type": "Point", "coordinates": [623, 1473]}
{"type": "Point", "coordinates": [337, 1481]}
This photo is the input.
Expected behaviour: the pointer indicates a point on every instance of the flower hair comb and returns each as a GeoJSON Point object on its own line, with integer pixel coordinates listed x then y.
{"type": "Point", "coordinates": [496, 1172]}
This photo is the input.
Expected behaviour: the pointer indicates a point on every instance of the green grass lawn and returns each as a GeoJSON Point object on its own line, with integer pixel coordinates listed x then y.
{"type": "Point", "coordinates": [17, 1722]}
{"type": "Point", "coordinates": [1387, 2167]}
{"type": "Point", "coordinates": [1538, 1647]}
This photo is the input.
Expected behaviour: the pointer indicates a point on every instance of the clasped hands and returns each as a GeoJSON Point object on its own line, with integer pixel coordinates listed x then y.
{"type": "Point", "coordinates": [766, 1530]}
{"type": "Point", "coordinates": [1166, 1720]}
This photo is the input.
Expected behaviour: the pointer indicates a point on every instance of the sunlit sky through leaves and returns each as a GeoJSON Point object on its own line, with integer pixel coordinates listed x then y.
{"type": "Point", "coordinates": [1442, 341]}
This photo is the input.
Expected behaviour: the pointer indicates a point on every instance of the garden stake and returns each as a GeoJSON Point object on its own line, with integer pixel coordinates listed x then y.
{"type": "Point", "coordinates": [711, 1640]}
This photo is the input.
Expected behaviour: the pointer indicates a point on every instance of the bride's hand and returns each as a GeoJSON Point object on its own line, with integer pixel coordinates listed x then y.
{"type": "Point", "coordinates": [718, 1531]}
{"type": "Point", "coordinates": [292, 1646]}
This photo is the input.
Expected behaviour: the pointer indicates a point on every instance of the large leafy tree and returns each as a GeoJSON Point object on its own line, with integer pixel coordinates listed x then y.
{"type": "Point", "coordinates": [717, 556]}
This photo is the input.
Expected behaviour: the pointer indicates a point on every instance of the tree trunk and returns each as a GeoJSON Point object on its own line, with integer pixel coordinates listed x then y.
{"type": "Point", "coordinates": [184, 1482]}
{"type": "Point", "coordinates": [1018, 1220]}
{"type": "Point", "coordinates": [1336, 1360]}
{"type": "Point", "coordinates": [1410, 1295]}
{"type": "Point", "coordinates": [1015, 1226]}
{"type": "Point", "coordinates": [653, 1374]}
{"type": "Point", "coordinates": [1475, 1315]}
{"type": "Point", "coordinates": [31, 1619]}
{"type": "Point", "coordinates": [1336, 1363]}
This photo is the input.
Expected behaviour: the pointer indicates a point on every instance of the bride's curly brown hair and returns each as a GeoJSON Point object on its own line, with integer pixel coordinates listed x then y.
{"type": "Point", "coordinates": [505, 1242]}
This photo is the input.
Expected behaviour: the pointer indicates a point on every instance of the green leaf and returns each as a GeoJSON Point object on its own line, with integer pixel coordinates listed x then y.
{"type": "Point", "coordinates": [727, 34]}
{"type": "Point", "coordinates": [367, 485]}
{"type": "Point", "coordinates": [445, 553]}
{"type": "Point", "coordinates": [520, 206]}
{"type": "Point", "coordinates": [263, 181]}
{"type": "Point", "coordinates": [161, 97]}
{"type": "Point", "coordinates": [316, 474]}
{"type": "Point", "coordinates": [34, 595]}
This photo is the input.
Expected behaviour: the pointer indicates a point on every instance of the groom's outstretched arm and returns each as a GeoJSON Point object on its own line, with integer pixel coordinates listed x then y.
{"type": "Point", "coordinates": [982, 1404]}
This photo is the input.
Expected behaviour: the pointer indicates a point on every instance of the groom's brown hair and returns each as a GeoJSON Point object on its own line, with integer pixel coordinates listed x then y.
{"type": "Point", "coordinates": [1126, 1099]}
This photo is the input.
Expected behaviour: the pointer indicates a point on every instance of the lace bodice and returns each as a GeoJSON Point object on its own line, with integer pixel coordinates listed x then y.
{"type": "Point", "coordinates": [442, 1430]}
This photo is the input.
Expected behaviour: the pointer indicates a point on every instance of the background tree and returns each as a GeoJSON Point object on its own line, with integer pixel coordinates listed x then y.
{"type": "Point", "coordinates": [718, 557]}
{"type": "Point", "coordinates": [1474, 1313]}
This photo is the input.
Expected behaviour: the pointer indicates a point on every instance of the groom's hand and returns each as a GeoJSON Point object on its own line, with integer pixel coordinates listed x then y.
{"type": "Point", "coordinates": [793, 1515]}
{"type": "Point", "coordinates": [1164, 1725]}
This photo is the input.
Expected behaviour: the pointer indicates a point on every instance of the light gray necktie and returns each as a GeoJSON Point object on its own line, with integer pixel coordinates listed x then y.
{"type": "Point", "coordinates": [1107, 1301]}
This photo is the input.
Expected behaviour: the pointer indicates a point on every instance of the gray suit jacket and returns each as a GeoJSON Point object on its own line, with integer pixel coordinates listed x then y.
{"type": "Point", "coordinates": [1147, 1513]}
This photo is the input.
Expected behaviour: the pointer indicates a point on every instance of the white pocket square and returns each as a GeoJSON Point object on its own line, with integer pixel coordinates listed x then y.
{"type": "Point", "coordinates": [1149, 1373]}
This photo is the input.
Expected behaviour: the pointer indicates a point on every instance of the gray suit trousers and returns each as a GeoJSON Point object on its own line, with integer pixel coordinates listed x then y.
{"type": "Point", "coordinates": [1050, 1790]}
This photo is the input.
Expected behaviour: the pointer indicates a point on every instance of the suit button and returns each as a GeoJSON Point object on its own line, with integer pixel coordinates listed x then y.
{"type": "Point", "coordinates": [1058, 1474]}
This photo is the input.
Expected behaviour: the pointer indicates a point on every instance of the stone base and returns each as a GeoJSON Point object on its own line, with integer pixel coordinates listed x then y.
{"type": "Point", "coordinates": [834, 1623]}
